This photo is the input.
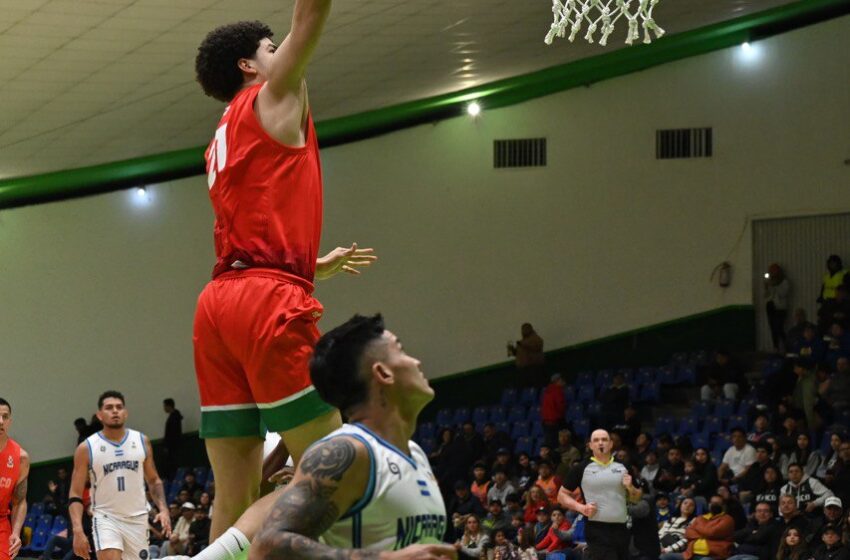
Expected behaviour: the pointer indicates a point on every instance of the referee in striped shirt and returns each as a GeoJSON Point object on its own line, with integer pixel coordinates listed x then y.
{"type": "Point", "coordinates": [606, 487]}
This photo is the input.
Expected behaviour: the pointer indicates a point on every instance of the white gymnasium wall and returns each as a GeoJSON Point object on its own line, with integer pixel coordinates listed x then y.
{"type": "Point", "coordinates": [100, 293]}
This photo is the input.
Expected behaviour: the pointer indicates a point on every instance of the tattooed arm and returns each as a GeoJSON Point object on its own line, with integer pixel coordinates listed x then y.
{"type": "Point", "coordinates": [156, 488]}
{"type": "Point", "coordinates": [330, 479]}
{"type": "Point", "coordinates": [19, 506]}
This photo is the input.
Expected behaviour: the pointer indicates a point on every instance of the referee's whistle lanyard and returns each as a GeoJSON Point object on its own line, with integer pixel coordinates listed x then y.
{"type": "Point", "coordinates": [603, 463]}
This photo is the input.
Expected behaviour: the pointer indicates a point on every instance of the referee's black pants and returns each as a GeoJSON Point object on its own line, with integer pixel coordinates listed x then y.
{"type": "Point", "coordinates": [606, 541]}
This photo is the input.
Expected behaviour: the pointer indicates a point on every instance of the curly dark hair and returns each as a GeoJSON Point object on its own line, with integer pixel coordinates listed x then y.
{"type": "Point", "coordinates": [216, 64]}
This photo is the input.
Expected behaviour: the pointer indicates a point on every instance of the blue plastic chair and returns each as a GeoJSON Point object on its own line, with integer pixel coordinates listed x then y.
{"type": "Point", "coordinates": [517, 413]}
{"type": "Point", "coordinates": [39, 540]}
{"type": "Point", "coordinates": [679, 359]}
{"type": "Point", "coordinates": [523, 445]}
{"type": "Point", "coordinates": [724, 409]}
{"type": "Point", "coordinates": [201, 475]}
{"type": "Point", "coordinates": [498, 414]}
{"type": "Point", "coordinates": [700, 440]}
{"type": "Point", "coordinates": [37, 509]}
{"type": "Point", "coordinates": [574, 412]}
{"type": "Point", "coordinates": [179, 474]}
{"type": "Point", "coordinates": [428, 445]}
{"type": "Point", "coordinates": [688, 425]}
{"type": "Point", "coordinates": [536, 429]}
{"type": "Point", "coordinates": [481, 414]}
{"type": "Point", "coordinates": [593, 411]}
{"type": "Point", "coordinates": [687, 375]}
{"type": "Point", "coordinates": [59, 525]}
{"type": "Point", "coordinates": [461, 415]}
{"type": "Point", "coordinates": [664, 425]}
{"type": "Point", "coordinates": [509, 397]}
{"type": "Point", "coordinates": [582, 428]}
{"type": "Point", "coordinates": [713, 425]}
{"type": "Point", "coordinates": [569, 393]}
{"type": "Point", "coordinates": [529, 396]}
{"type": "Point", "coordinates": [504, 427]}
{"type": "Point", "coordinates": [700, 409]}
{"type": "Point", "coordinates": [586, 394]}
{"type": "Point", "coordinates": [520, 429]}
{"type": "Point", "coordinates": [444, 417]}
{"type": "Point", "coordinates": [628, 374]}
{"type": "Point", "coordinates": [737, 421]}
{"type": "Point", "coordinates": [824, 443]}
{"type": "Point", "coordinates": [651, 392]}
{"type": "Point", "coordinates": [646, 375]}
{"type": "Point", "coordinates": [534, 414]}
{"type": "Point", "coordinates": [603, 378]}
{"type": "Point", "coordinates": [426, 430]}
{"type": "Point", "coordinates": [667, 376]}
{"type": "Point", "coordinates": [584, 378]}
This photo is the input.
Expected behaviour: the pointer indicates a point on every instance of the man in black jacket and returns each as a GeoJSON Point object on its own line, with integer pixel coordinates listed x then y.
{"type": "Point", "coordinates": [759, 539]}
{"type": "Point", "coordinates": [644, 527]}
{"type": "Point", "coordinates": [173, 435]}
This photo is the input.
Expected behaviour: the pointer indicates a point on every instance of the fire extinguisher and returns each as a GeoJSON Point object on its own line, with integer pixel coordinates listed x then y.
{"type": "Point", "coordinates": [723, 273]}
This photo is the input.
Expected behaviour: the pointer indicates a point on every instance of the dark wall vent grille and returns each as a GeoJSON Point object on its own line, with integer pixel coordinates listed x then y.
{"type": "Point", "coordinates": [683, 143]}
{"type": "Point", "coordinates": [524, 152]}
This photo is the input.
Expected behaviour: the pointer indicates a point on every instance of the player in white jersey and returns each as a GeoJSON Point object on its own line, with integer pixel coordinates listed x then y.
{"type": "Point", "coordinates": [364, 490]}
{"type": "Point", "coordinates": [118, 462]}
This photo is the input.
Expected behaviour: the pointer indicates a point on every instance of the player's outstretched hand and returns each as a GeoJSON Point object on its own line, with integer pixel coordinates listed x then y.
{"type": "Point", "coordinates": [344, 259]}
{"type": "Point", "coordinates": [14, 546]}
{"type": "Point", "coordinates": [81, 545]}
{"type": "Point", "coordinates": [424, 552]}
{"type": "Point", "coordinates": [165, 520]}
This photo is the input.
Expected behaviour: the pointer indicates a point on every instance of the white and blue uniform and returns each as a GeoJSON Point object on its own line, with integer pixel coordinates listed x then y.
{"type": "Point", "coordinates": [402, 504]}
{"type": "Point", "coordinates": [116, 471]}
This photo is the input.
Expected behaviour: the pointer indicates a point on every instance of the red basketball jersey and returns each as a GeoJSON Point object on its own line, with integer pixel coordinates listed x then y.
{"type": "Point", "coordinates": [267, 197]}
{"type": "Point", "coordinates": [10, 470]}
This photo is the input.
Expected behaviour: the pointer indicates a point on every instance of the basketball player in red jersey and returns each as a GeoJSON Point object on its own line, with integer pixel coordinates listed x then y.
{"type": "Point", "coordinates": [255, 325]}
{"type": "Point", "coordinates": [14, 469]}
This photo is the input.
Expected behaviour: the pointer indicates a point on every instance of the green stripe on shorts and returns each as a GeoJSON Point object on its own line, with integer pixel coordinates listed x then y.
{"type": "Point", "coordinates": [240, 422]}
{"type": "Point", "coordinates": [289, 415]}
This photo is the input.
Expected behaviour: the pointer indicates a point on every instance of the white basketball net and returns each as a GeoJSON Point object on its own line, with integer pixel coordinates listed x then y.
{"type": "Point", "coordinates": [602, 15]}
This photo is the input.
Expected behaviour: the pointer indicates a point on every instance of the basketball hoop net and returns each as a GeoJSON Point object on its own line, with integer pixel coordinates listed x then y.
{"type": "Point", "coordinates": [602, 15]}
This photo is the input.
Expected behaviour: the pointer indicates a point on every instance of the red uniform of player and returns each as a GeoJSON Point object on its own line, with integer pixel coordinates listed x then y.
{"type": "Point", "coordinates": [14, 468]}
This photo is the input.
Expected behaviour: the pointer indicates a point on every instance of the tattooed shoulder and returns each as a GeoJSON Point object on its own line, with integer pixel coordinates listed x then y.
{"type": "Point", "coordinates": [329, 459]}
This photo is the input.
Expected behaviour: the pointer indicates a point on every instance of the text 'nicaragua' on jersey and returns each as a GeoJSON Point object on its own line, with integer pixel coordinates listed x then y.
{"type": "Point", "coordinates": [117, 474]}
{"type": "Point", "coordinates": [402, 504]}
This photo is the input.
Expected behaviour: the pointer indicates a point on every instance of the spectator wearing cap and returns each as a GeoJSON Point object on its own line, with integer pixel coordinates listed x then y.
{"type": "Point", "coordinates": [497, 518]}
{"type": "Point", "coordinates": [810, 493]}
{"type": "Point", "coordinates": [833, 514]}
{"type": "Point", "coordinates": [179, 540]}
{"type": "Point", "coordinates": [553, 407]}
{"type": "Point", "coordinates": [759, 539]}
{"type": "Point", "coordinates": [503, 461]}
{"type": "Point", "coordinates": [463, 504]}
{"type": "Point", "coordinates": [480, 482]}
{"type": "Point", "coordinates": [831, 547]}
{"type": "Point", "coordinates": [501, 487]}
{"type": "Point", "coordinates": [542, 525]}
{"type": "Point", "coordinates": [547, 480]}
{"type": "Point", "coordinates": [777, 288]}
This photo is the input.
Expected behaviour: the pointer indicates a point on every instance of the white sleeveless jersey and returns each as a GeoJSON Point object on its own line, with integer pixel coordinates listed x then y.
{"type": "Point", "coordinates": [402, 504]}
{"type": "Point", "coordinates": [117, 475]}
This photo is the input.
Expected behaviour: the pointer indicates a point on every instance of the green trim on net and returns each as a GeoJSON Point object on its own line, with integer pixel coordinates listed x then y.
{"type": "Point", "coordinates": [74, 183]}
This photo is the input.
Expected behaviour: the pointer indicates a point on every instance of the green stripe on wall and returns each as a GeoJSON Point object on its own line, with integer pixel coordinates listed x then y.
{"type": "Point", "coordinates": [74, 183]}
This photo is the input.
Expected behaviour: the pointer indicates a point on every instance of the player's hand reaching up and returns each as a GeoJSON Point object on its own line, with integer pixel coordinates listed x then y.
{"type": "Point", "coordinates": [344, 259]}
{"type": "Point", "coordinates": [423, 552]}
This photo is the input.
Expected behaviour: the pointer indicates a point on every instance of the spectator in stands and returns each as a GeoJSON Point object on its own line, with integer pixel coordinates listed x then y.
{"type": "Point", "coordinates": [832, 548]}
{"type": "Point", "coordinates": [737, 459]}
{"type": "Point", "coordinates": [547, 480]}
{"type": "Point", "coordinates": [470, 449]}
{"type": "Point", "coordinates": [837, 391]}
{"type": "Point", "coordinates": [174, 513]}
{"type": "Point", "coordinates": [643, 444]}
{"type": "Point", "coordinates": [463, 504]}
{"type": "Point", "coordinates": [494, 440]}
{"type": "Point", "coordinates": [501, 487]}
{"type": "Point", "coordinates": [503, 548]}
{"type": "Point", "coordinates": [526, 475]}
{"type": "Point", "coordinates": [569, 454]}
{"type": "Point", "coordinates": [541, 527]}
{"type": "Point", "coordinates": [777, 288]}
{"type": "Point", "coordinates": [548, 454]}
{"type": "Point", "coordinates": [672, 471]}
{"type": "Point", "coordinates": [803, 455]}
{"type": "Point", "coordinates": [496, 517]}
{"type": "Point", "coordinates": [558, 536]}
{"type": "Point", "coordinates": [733, 507]}
{"type": "Point", "coordinates": [839, 478]}
{"type": "Point", "coordinates": [790, 515]}
{"type": "Point", "coordinates": [553, 407]}
{"type": "Point", "coordinates": [805, 395]}
{"type": "Point", "coordinates": [172, 437]}
{"type": "Point", "coordinates": [440, 454]}
{"type": "Point", "coordinates": [809, 349]}
{"type": "Point", "coordinates": [480, 483]}
{"type": "Point", "coordinates": [837, 344]}
{"type": "Point", "coordinates": [530, 360]}
{"type": "Point", "coordinates": [770, 488]}
{"type": "Point", "coordinates": [792, 545]}
{"type": "Point", "coordinates": [833, 514]}
{"type": "Point", "coordinates": [711, 535]}
{"type": "Point", "coordinates": [614, 400]}
{"type": "Point", "coordinates": [663, 513]}
{"type": "Point", "coordinates": [534, 500]}
{"type": "Point", "coordinates": [810, 493]}
{"type": "Point", "coordinates": [671, 535]}
{"type": "Point", "coordinates": [827, 466]}
{"type": "Point", "coordinates": [504, 462]}
{"type": "Point", "coordinates": [759, 539]}
{"type": "Point", "coordinates": [644, 528]}
{"type": "Point", "coordinates": [190, 485]}
{"type": "Point", "coordinates": [761, 430]}
{"type": "Point", "coordinates": [751, 482]}
{"type": "Point", "coordinates": [795, 333]}
{"type": "Point", "coordinates": [513, 504]}
{"type": "Point", "coordinates": [60, 543]}
{"type": "Point", "coordinates": [179, 541]}
{"type": "Point", "coordinates": [835, 310]}
{"type": "Point", "coordinates": [525, 544]}
{"type": "Point", "coordinates": [183, 496]}
{"type": "Point", "coordinates": [706, 473]}
{"type": "Point", "coordinates": [650, 470]}
{"type": "Point", "coordinates": [474, 541]}
{"type": "Point", "coordinates": [82, 430]}
{"type": "Point", "coordinates": [58, 491]}
{"type": "Point", "coordinates": [835, 276]}
{"type": "Point", "coordinates": [787, 439]}
{"type": "Point", "coordinates": [629, 427]}
{"type": "Point", "coordinates": [724, 379]}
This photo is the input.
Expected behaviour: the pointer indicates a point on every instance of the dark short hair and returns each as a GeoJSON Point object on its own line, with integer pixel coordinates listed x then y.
{"type": "Point", "coordinates": [111, 394]}
{"type": "Point", "coordinates": [216, 65]}
{"type": "Point", "coordinates": [738, 430]}
{"type": "Point", "coordinates": [80, 422]}
{"type": "Point", "coordinates": [4, 402]}
{"type": "Point", "coordinates": [336, 362]}
{"type": "Point", "coordinates": [168, 402]}
{"type": "Point", "coordinates": [798, 465]}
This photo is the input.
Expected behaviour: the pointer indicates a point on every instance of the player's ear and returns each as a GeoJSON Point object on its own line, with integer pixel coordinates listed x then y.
{"type": "Point", "coordinates": [247, 66]}
{"type": "Point", "coordinates": [382, 374]}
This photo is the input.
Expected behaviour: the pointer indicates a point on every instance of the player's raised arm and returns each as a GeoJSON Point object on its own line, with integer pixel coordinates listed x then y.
{"type": "Point", "coordinates": [156, 488]}
{"type": "Point", "coordinates": [75, 500]}
{"type": "Point", "coordinates": [19, 506]}
{"type": "Point", "coordinates": [291, 58]}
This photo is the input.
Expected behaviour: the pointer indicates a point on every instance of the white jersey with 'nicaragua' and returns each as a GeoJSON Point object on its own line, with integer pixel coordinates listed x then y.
{"type": "Point", "coordinates": [117, 474]}
{"type": "Point", "coordinates": [402, 504]}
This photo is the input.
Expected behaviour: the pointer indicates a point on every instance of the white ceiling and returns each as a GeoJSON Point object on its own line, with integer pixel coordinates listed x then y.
{"type": "Point", "coordinates": [91, 81]}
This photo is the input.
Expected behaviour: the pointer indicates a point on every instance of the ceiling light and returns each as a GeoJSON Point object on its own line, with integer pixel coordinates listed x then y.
{"type": "Point", "coordinates": [746, 46]}
{"type": "Point", "coordinates": [141, 192]}
{"type": "Point", "coordinates": [474, 109]}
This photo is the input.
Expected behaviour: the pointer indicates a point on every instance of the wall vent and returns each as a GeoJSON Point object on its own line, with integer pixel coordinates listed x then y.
{"type": "Point", "coordinates": [683, 143]}
{"type": "Point", "coordinates": [521, 152]}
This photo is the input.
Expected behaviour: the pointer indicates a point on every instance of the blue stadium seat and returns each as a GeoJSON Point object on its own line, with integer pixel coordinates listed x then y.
{"type": "Point", "coordinates": [523, 445]}
{"type": "Point", "coordinates": [427, 430]}
{"type": "Point", "coordinates": [179, 474]}
{"type": "Point", "coordinates": [824, 444]}
{"type": "Point", "coordinates": [651, 392]}
{"type": "Point", "coordinates": [746, 406]}
{"type": "Point", "coordinates": [509, 397]}
{"type": "Point", "coordinates": [201, 475]}
{"type": "Point", "coordinates": [687, 375]}
{"type": "Point", "coordinates": [646, 375]}
{"type": "Point", "coordinates": [529, 396]}
{"type": "Point", "coordinates": [536, 444]}
{"type": "Point", "coordinates": [39, 540]}
{"type": "Point", "coordinates": [536, 429]}
{"type": "Point", "coordinates": [520, 429]}
{"type": "Point", "coordinates": [700, 358]}
{"type": "Point", "coordinates": [517, 413]}
{"type": "Point", "coordinates": [772, 367]}
{"type": "Point", "coordinates": [584, 378]}
{"type": "Point", "coordinates": [679, 359]}
{"type": "Point", "coordinates": [724, 409]}
{"type": "Point", "coordinates": [481, 414]}
{"type": "Point", "coordinates": [603, 378]}
{"type": "Point", "coordinates": [667, 375]}
{"type": "Point", "coordinates": [716, 456]}
{"type": "Point", "coordinates": [700, 409]}
{"type": "Point", "coordinates": [722, 443]}
{"type": "Point", "coordinates": [534, 414]}
{"type": "Point", "coordinates": [37, 509]}
{"type": "Point", "coordinates": [688, 425]}
{"type": "Point", "coordinates": [556, 556]}
{"type": "Point", "coordinates": [461, 415]}
{"type": "Point", "coordinates": [504, 427]}
{"type": "Point", "coordinates": [585, 394]}
{"type": "Point", "coordinates": [574, 412]}
{"type": "Point", "coordinates": [713, 425]}
{"type": "Point", "coordinates": [628, 374]}
{"type": "Point", "coordinates": [479, 427]}
{"type": "Point", "coordinates": [700, 440]}
{"type": "Point", "coordinates": [444, 417]}
{"type": "Point", "coordinates": [582, 428]}
{"type": "Point", "coordinates": [59, 524]}
{"type": "Point", "coordinates": [428, 445]}
{"type": "Point", "coordinates": [593, 411]}
{"type": "Point", "coordinates": [664, 425]}
{"type": "Point", "coordinates": [210, 481]}
{"type": "Point", "coordinates": [498, 414]}
{"type": "Point", "coordinates": [30, 520]}
{"type": "Point", "coordinates": [570, 393]}
{"type": "Point", "coordinates": [634, 392]}
{"type": "Point", "coordinates": [737, 421]}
